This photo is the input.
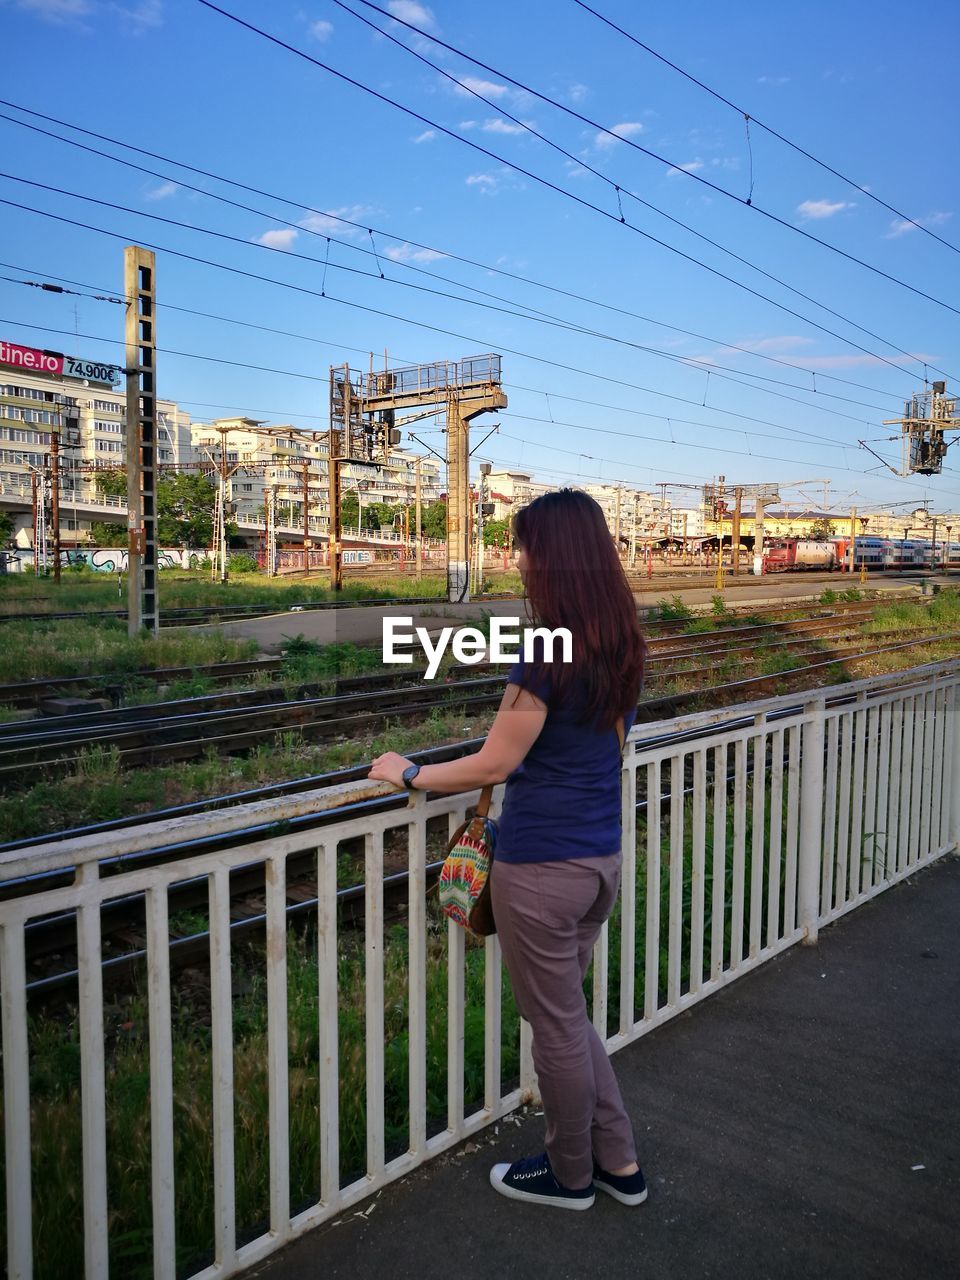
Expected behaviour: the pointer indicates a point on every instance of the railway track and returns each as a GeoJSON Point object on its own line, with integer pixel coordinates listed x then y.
{"type": "Point", "coordinates": [51, 940]}
{"type": "Point", "coordinates": [211, 613]}
{"type": "Point", "coordinates": [236, 720]}
{"type": "Point", "coordinates": [30, 693]}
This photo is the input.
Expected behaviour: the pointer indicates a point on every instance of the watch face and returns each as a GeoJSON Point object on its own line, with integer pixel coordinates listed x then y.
{"type": "Point", "coordinates": [409, 774]}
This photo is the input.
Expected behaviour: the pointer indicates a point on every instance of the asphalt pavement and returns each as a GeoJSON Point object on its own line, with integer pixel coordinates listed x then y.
{"type": "Point", "coordinates": [802, 1123]}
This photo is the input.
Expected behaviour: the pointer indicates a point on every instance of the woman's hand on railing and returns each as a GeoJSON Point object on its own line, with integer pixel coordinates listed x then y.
{"type": "Point", "coordinates": [389, 768]}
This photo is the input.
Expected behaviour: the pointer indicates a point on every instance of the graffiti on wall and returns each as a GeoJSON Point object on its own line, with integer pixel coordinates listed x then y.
{"type": "Point", "coordinates": [110, 559]}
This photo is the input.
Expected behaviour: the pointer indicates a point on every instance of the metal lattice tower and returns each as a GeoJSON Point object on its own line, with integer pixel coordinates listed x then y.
{"type": "Point", "coordinates": [364, 425]}
{"type": "Point", "coordinates": [926, 416]}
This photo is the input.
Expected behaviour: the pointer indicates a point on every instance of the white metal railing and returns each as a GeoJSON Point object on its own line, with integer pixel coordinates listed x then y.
{"type": "Point", "coordinates": [752, 827]}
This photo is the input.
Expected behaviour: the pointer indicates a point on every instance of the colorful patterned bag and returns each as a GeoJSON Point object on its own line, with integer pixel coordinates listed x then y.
{"type": "Point", "coordinates": [465, 878]}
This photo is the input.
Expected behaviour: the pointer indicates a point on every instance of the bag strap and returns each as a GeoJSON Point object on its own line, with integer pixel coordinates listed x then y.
{"type": "Point", "coordinates": [483, 804]}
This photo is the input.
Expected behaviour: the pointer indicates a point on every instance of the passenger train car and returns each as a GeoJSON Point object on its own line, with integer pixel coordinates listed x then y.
{"type": "Point", "coordinates": [788, 555]}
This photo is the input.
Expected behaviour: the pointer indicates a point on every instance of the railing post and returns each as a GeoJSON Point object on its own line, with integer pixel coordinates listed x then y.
{"type": "Point", "coordinates": [529, 1084]}
{"type": "Point", "coordinates": [953, 771]}
{"type": "Point", "coordinates": [811, 821]}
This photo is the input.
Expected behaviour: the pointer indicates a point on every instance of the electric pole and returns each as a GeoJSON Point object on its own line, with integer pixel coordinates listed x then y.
{"type": "Point", "coordinates": [735, 535]}
{"type": "Point", "coordinates": [759, 511]}
{"type": "Point", "coordinates": [55, 495]}
{"type": "Point", "coordinates": [334, 525]}
{"type": "Point", "coordinates": [140, 280]}
{"type": "Point", "coordinates": [306, 514]}
{"type": "Point", "coordinates": [418, 531]}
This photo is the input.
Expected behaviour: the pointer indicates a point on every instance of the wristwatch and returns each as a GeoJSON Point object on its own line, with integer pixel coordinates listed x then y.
{"type": "Point", "coordinates": [408, 776]}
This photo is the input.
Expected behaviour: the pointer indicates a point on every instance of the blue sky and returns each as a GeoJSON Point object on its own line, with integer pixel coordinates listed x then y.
{"type": "Point", "coordinates": [850, 83]}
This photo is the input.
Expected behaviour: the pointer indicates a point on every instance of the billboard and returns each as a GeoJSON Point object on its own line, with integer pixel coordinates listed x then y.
{"type": "Point", "coordinates": [40, 361]}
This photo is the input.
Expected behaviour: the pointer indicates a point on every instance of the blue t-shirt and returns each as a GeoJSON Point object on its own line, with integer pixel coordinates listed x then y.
{"type": "Point", "coordinates": [563, 801]}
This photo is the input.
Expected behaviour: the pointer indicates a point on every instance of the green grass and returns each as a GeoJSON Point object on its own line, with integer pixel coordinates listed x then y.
{"type": "Point", "coordinates": [674, 610]}
{"type": "Point", "coordinates": [78, 647]}
{"type": "Point", "coordinates": [98, 789]}
{"type": "Point", "coordinates": [942, 614]}
{"type": "Point", "coordinates": [179, 589]}
{"type": "Point", "coordinates": [55, 1119]}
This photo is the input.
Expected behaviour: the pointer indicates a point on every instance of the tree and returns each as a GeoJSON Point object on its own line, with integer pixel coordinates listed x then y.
{"type": "Point", "coordinates": [185, 506]}
{"type": "Point", "coordinates": [112, 484]}
{"type": "Point", "coordinates": [348, 511]}
{"type": "Point", "coordinates": [821, 530]}
{"type": "Point", "coordinates": [378, 515]}
{"type": "Point", "coordinates": [108, 535]}
{"type": "Point", "coordinates": [434, 520]}
{"type": "Point", "coordinates": [496, 533]}
{"type": "Point", "coordinates": [6, 526]}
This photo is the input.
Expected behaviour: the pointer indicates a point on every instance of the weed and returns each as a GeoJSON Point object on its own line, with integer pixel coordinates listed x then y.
{"type": "Point", "coordinates": [674, 610]}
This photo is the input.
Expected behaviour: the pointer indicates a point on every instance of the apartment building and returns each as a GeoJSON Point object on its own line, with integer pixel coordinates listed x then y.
{"type": "Point", "coordinates": [294, 464]}
{"type": "Point", "coordinates": [38, 402]}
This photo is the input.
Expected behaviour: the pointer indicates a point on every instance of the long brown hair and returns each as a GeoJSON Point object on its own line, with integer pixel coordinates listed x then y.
{"type": "Point", "coordinates": [574, 579]}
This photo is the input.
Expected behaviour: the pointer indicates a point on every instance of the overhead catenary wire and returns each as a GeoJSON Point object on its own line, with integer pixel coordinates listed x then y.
{"type": "Point", "coordinates": [747, 203]}
{"type": "Point", "coordinates": [774, 133]}
{"type": "Point", "coordinates": [488, 268]}
{"type": "Point", "coordinates": [721, 371]}
{"type": "Point", "coordinates": [534, 391]}
{"type": "Point", "coordinates": [299, 288]}
{"type": "Point", "coordinates": [534, 314]}
{"type": "Point", "coordinates": [512, 351]}
{"type": "Point", "coordinates": [583, 164]}
{"type": "Point", "coordinates": [310, 377]}
{"type": "Point", "coordinates": [545, 182]}
{"type": "Point", "coordinates": [509, 413]}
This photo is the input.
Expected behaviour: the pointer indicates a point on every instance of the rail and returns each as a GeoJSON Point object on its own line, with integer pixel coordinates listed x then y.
{"type": "Point", "coordinates": [771, 820]}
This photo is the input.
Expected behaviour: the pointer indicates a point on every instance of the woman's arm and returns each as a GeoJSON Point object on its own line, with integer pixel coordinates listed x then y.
{"type": "Point", "coordinates": [514, 731]}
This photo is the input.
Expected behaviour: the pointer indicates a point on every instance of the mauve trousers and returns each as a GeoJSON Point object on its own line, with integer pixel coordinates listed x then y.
{"type": "Point", "coordinates": [548, 917]}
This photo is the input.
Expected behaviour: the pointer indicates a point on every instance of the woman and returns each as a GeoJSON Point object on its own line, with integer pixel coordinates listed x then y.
{"type": "Point", "coordinates": [556, 741]}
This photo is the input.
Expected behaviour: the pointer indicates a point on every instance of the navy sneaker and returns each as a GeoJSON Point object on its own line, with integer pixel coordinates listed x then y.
{"type": "Point", "coordinates": [629, 1189]}
{"type": "Point", "coordinates": [533, 1180]}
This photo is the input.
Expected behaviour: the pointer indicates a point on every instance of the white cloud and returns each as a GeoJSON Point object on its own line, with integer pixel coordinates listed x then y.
{"type": "Point", "coordinates": [59, 11]}
{"type": "Point", "coordinates": [481, 180]}
{"type": "Point", "coordinates": [409, 253]}
{"type": "Point", "coordinates": [852, 361]}
{"type": "Point", "coordinates": [147, 13]}
{"type": "Point", "coordinates": [628, 129]}
{"type": "Point", "coordinates": [321, 30]}
{"type": "Point", "coordinates": [335, 221]}
{"type": "Point", "coordinates": [428, 135]}
{"type": "Point", "coordinates": [774, 80]}
{"type": "Point", "coordinates": [782, 342]}
{"type": "Point", "coordinates": [692, 166]}
{"type": "Point", "coordinates": [502, 126]}
{"type": "Point", "coordinates": [822, 208]}
{"type": "Point", "coordinates": [488, 88]}
{"type": "Point", "coordinates": [901, 227]}
{"type": "Point", "coordinates": [577, 92]}
{"type": "Point", "coordinates": [137, 16]}
{"type": "Point", "coordinates": [163, 192]}
{"type": "Point", "coordinates": [418, 15]}
{"type": "Point", "coordinates": [282, 238]}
